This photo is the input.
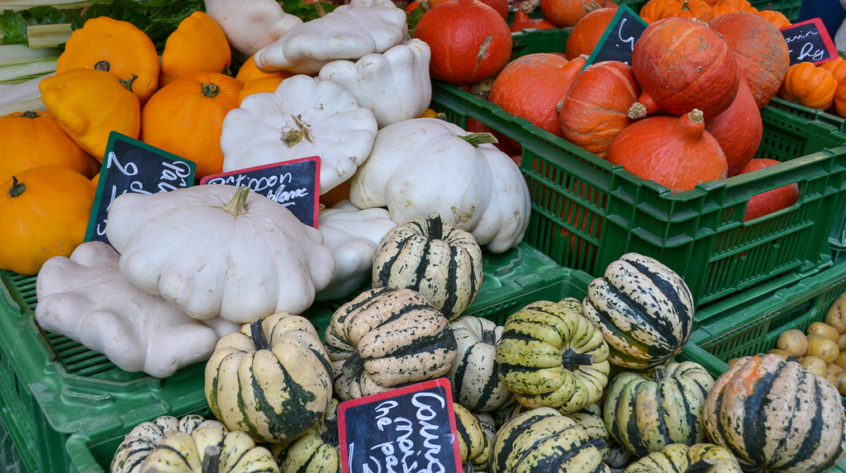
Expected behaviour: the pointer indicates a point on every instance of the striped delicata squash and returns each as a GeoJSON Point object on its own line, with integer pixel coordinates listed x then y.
{"type": "Point", "coordinates": [385, 338]}
{"type": "Point", "coordinates": [776, 416]}
{"type": "Point", "coordinates": [473, 442]}
{"type": "Point", "coordinates": [441, 262]}
{"type": "Point", "coordinates": [145, 437]}
{"type": "Point", "coordinates": [645, 412]}
{"type": "Point", "coordinates": [210, 448]}
{"type": "Point", "coordinates": [315, 451]}
{"type": "Point", "coordinates": [475, 373]}
{"type": "Point", "coordinates": [590, 418]}
{"type": "Point", "coordinates": [645, 311]}
{"type": "Point", "coordinates": [552, 356]}
{"type": "Point", "coordinates": [272, 379]}
{"type": "Point", "coordinates": [678, 457]}
{"type": "Point", "coordinates": [543, 440]}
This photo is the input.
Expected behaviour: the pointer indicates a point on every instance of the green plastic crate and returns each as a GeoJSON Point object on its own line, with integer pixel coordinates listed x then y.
{"type": "Point", "coordinates": [52, 387]}
{"type": "Point", "coordinates": [587, 212]}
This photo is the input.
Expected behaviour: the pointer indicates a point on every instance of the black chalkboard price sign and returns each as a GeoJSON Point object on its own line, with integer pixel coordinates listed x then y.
{"type": "Point", "coordinates": [294, 184]}
{"type": "Point", "coordinates": [808, 41]}
{"type": "Point", "coordinates": [130, 165]}
{"type": "Point", "coordinates": [618, 40]}
{"type": "Point", "coordinates": [409, 429]}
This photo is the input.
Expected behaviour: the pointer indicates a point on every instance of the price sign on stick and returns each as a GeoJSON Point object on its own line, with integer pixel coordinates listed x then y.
{"type": "Point", "coordinates": [407, 429]}
{"type": "Point", "coordinates": [618, 40]}
{"type": "Point", "coordinates": [130, 165]}
{"type": "Point", "coordinates": [808, 41]}
{"type": "Point", "coordinates": [294, 184]}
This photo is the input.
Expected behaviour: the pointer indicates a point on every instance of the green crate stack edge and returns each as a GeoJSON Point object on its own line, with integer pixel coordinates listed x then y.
{"type": "Point", "coordinates": [52, 387]}
{"type": "Point", "coordinates": [586, 212]}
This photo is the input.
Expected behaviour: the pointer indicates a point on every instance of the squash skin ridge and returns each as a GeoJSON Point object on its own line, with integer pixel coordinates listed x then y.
{"type": "Point", "coordinates": [669, 291]}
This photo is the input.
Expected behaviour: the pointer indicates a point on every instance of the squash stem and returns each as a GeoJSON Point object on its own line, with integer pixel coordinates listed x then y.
{"type": "Point", "coordinates": [489, 337]}
{"type": "Point", "coordinates": [128, 82]}
{"type": "Point", "coordinates": [330, 433]}
{"type": "Point", "coordinates": [238, 204]}
{"type": "Point", "coordinates": [572, 360]}
{"type": "Point", "coordinates": [17, 188]}
{"type": "Point", "coordinates": [258, 336]}
{"type": "Point", "coordinates": [435, 226]}
{"type": "Point", "coordinates": [660, 373]}
{"type": "Point", "coordinates": [353, 365]}
{"type": "Point", "coordinates": [701, 466]}
{"type": "Point", "coordinates": [480, 138]}
{"type": "Point", "coordinates": [103, 66]}
{"type": "Point", "coordinates": [211, 460]}
{"type": "Point", "coordinates": [210, 90]}
{"type": "Point", "coordinates": [30, 114]}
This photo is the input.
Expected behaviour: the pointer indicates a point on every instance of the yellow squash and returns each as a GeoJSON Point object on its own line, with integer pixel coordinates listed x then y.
{"type": "Point", "coordinates": [90, 103]}
{"type": "Point", "coordinates": [197, 45]}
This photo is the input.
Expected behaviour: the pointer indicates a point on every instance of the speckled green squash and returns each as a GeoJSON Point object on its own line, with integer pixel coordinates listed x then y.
{"type": "Point", "coordinates": [589, 417]}
{"type": "Point", "coordinates": [678, 457]}
{"type": "Point", "coordinates": [644, 309]}
{"type": "Point", "coordinates": [473, 442]}
{"type": "Point", "coordinates": [272, 379]}
{"type": "Point", "coordinates": [776, 416]}
{"type": "Point", "coordinates": [552, 356]}
{"type": "Point", "coordinates": [209, 448]}
{"type": "Point", "coordinates": [645, 412]}
{"type": "Point", "coordinates": [384, 338]}
{"type": "Point", "coordinates": [145, 437]}
{"type": "Point", "coordinates": [475, 373]}
{"type": "Point", "coordinates": [543, 440]}
{"type": "Point", "coordinates": [441, 262]}
{"type": "Point", "coordinates": [316, 451]}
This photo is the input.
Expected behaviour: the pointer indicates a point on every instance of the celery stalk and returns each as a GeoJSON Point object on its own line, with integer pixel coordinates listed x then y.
{"type": "Point", "coordinates": [60, 4]}
{"type": "Point", "coordinates": [11, 54]}
{"type": "Point", "coordinates": [25, 71]}
{"type": "Point", "coordinates": [48, 36]}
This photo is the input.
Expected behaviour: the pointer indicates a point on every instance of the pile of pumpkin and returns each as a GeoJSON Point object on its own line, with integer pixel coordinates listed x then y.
{"type": "Point", "coordinates": [822, 86]}
{"type": "Point", "coordinates": [561, 386]}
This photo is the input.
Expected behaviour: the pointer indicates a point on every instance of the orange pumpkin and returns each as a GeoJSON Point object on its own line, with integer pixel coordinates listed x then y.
{"type": "Point", "coordinates": [569, 12]}
{"type": "Point", "coordinates": [809, 85]}
{"type": "Point", "coordinates": [249, 71]}
{"type": "Point", "coordinates": [740, 5]}
{"type": "Point", "coordinates": [695, 10]}
{"type": "Point", "coordinates": [722, 8]}
{"type": "Point", "coordinates": [33, 139]}
{"type": "Point", "coordinates": [588, 31]}
{"type": "Point", "coordinates": [197, 45]}
{"type": "Point", "coordinates": [837, 67]}
{"type": "Point", "coordinates": [255, 86]}
{"type": "Point", "coordinates": [115, 46]}
{"type": "Point", "coordinates": [840, 99]}
{"type": "Point", "coordinates": [186, 116]}
{"type": "Point", "coordinates": [522, 21]}
{"type": "Point", "coordinates": [775, 18]}
{"type": "Point", "coordinates": [652, 10]}
{"type": "Point", "coordinates": [43, 213]}
{"type": "Point", "coordinates": [531, 86]}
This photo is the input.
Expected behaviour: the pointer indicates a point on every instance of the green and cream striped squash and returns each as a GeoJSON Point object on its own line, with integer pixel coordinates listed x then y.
{"type": "Point", "coordinates": [646, 411]}
{"type": "Point", "coordinates": [473, 441]}
{"type": "Point", "coordinates": [210, 448]}
{"type": "Point", "coordinates": [543, 440]}
{"type": "Point", "coordinates": [272, 379]}
{"type": "Point", "coordinates": [589, 417]}
{"type": "Point", "coordinates": [552, 356]}
{"type": "Point", "coordinates": [776, 416]}
{"type": "Point", "coordinates": [145, 437]}
{"type": "Point", "coordinates": [385, 338]}
{"type": "Point", "coordinates": [441, 262]}
{"type": "Point", "coordinates": [475, 373]}
{"type": "Point", "coordinates": [316, 451]}
{"type": "Point", "coordinates": [645, 311]}
{"type": "Point", "coordinates": [681, 458]}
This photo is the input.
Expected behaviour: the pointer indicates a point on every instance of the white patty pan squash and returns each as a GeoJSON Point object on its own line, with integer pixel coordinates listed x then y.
{"type": "Point", "coordinates": [351, 234]}
{"type": "Point", "coordinates": [250, 25]}
{"type": "Point", "coordinates": [216, 249]}
{"type": "Point", "coordinates": [394, 84]}
{"type": "Point", "coordinates": [304, 117]}
{"type": "Point", "coordinates": [86, 298]}
{"type": "Point", "coordinates": [348, 32]}
{"type": "Point", "coordinates": [423, 165]}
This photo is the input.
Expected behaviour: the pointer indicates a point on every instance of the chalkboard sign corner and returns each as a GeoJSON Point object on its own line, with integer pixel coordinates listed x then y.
{"type": "Point", "coordinates": [605, 51]}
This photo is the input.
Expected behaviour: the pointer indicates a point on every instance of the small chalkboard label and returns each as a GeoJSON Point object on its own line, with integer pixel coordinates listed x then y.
{"type": "Point", "coordinates": [618, 40]}
{"type": "Point", "coordinates": [133, 166]}
{"type": "Point", "coordinates": [407, 429]}
{"type": "Point", "coordinates": [294, 184]}
{"type": "Point", "coordinates": [808, 41]}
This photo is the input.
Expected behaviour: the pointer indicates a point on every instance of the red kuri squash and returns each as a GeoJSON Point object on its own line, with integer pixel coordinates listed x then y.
{"type": "Point", "coordinates": [771, 200]}
{"type": "Point", "coordinates": [569, 12]}
{"type": "Point", "coordinates": [522, 21]}
{"type": "Point", "coordinates": [759, 49]}
{"type": "Point", "coordinates": [738, 129]}
{"type": "Point", "coordinates": [675, 152]}
{"type": "Point", "coordinates": [469, 41]}
{"type": "Point", "coordinates": [587, 32]}
{"type": "Point", "coordinates": [682, 64]}
{"type": "Point", "coordinates": [594, 110]}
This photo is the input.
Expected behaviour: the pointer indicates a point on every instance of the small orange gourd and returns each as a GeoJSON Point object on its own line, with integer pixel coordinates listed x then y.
{"type": "Point", "coordinates": [114, 46]}
{"type": "Point", "coordinates": [248, 71]}
{"type": "Point", "coordinates": [808, 85]}
{"type": "Point", "coordinates": [198, 44]}
{"type": "Point", "coordinates": [775, 18]}
{"type": "Point", "coordinates": [837, 67]}
{"type": "Point", "coordinates": [186, 116]}
{"type": "Point", "coordinates": [652, 10]}
{"type": "Point", "coordinates": [255, 86]}
{"type": "Point", "coordinates": [33, 139]}
{"type": "Point", "coordinates": [722, 8]}
{"type": "Point", "coordinates": [43, 213]}
{"type": "Point", "coordinates": [695, 10]}
{"type": "Point", "coordinates": [840, 99]}
{"type": "Point", "coordinates": [89, 104]}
